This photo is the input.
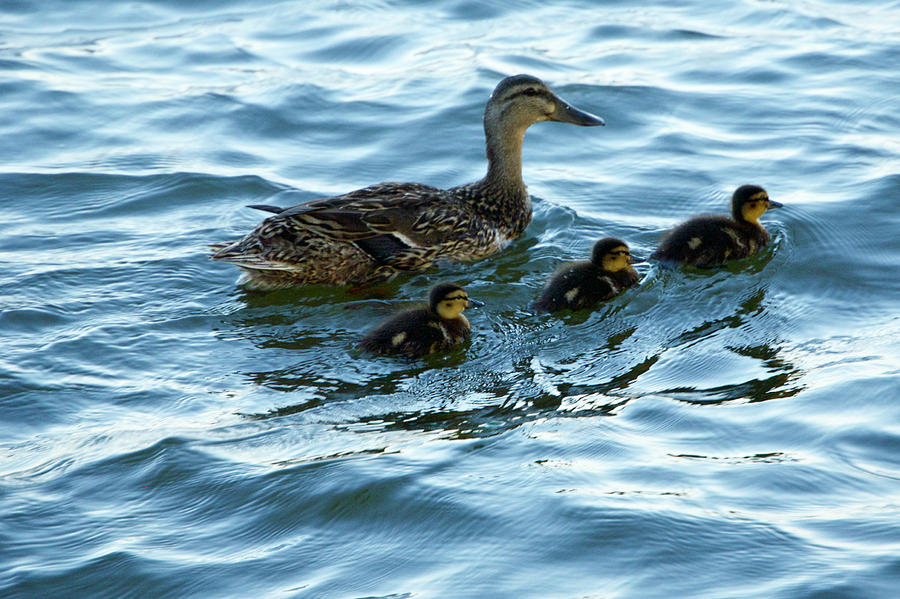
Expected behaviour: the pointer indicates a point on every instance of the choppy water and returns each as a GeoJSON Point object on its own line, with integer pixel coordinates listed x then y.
{"type": "Point", "coordinates": [732, 433]}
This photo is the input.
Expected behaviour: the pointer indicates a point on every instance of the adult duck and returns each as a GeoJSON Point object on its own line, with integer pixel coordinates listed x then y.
{"type": "Point", "coordinates": [376, 232]}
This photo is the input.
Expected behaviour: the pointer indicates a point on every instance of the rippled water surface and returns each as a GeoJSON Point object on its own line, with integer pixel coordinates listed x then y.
{"type": "Point", "coordinates": [725, 433]}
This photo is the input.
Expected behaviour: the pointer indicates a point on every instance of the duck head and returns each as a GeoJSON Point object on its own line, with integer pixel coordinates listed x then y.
{"type": "Point", "coordinates": [521, 100]}
{"type": "Point", "coordinates": [612, 255]}
{"type": "Point", "coordinates": [517, 103]}
{"type": "Point", "coordinates": [749, 202]}
{"type": "Point", "coordinates": [448, 300]}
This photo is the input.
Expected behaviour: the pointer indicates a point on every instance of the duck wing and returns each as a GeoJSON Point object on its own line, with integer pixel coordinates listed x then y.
{"type": "Point", "coordinates": [400, 226]}
{"type": "Point", "coordinates": [381, 219]}
{"type": "Point", "coordinates": [414, 333]}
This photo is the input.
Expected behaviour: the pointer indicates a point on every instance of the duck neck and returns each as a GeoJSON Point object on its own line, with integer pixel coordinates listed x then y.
{"type": "Point", "coordinates": [504, 155]}
{"type": "Point", "coordinates": [749, 224]}
{"type": "Point", "coordinates": [501, 196]}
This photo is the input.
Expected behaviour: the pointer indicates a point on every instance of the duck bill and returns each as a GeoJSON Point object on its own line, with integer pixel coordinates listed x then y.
{"type": "Point", "coordinates": [566, 113]}
{"type": "Point", "coordinates": [774, 204]}
{"type": "Point", "coordinates": [633, 260]}
{"type": "Point", "coordinates": [474, 303]}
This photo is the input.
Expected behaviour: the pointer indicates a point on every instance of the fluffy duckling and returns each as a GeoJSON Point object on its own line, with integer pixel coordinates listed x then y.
{"type": "Point", "coordinates": [422, 331]}
{"type": "Point", "coordinates": [579, 285]}
{"type": "Point", "coordinates": [707, 241]}
{"type": "Point", "coordinates": [374, 233]}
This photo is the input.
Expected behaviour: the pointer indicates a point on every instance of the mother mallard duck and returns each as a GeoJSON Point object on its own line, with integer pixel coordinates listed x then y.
{"type": "Point", "coordinates": [373, 233]}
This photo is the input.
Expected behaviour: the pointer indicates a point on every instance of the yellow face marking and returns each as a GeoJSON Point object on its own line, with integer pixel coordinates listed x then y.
{"type": "Point", "coordinates": [752, 210]}
{"type": "Point", "coordinates": [760, 195]}
{"type": "Point", "coordinates": [617, 259]}
{"type": "Point", "coordinates": [452, 305]}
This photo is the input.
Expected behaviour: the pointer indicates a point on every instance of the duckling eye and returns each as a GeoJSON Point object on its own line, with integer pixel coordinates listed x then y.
{"type": "Point", "coordinates": [530, 91]}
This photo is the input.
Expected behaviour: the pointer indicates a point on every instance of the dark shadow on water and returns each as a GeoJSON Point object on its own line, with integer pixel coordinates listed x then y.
{"type": "Point", "coordinates": [784, 383]}
{"type": "Point", "coordinates": [396, 373]}
{"type": "Point", "coordinates": [505, 400]}
{"type": "Point", "coordinates": [314, 295]}
{"type": "Point", "coordinates": [285, 411]}
{"type": "Point", "coordinates": [619, 382]}
{"type": "Point", "coordinates": [509, 375]}
{"type": "Point", "coordinates": [775, 457]}
{"type": "Point", "coordinates": [756, 390]}
{"type": "Point", "coordinates": [750, 307]}
{"type": "Point", "coordinates": [458, 424]}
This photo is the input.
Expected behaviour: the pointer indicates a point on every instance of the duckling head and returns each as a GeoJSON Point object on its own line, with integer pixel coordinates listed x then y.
{"type": "Point", "coordinates": [612, 255]}
{"type": "Point", "coordinates": [521, 100]}
{"type": "Point", "coordinates": [448, 300]}
{"type": "Point", "coordinates": [749, 202]}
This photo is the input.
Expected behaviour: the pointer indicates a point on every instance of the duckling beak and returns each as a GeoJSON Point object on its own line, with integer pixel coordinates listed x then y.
{"type": "Point", "coordinates": [566, 113]}
{"type": "Point", "coordinates": [774, 204]}
{"type": "Point", "coordinates": [635, 260]}
{"type": "Point", "coordinates": [474, 303]}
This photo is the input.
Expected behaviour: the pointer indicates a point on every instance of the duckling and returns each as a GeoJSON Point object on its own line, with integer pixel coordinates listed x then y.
{"type": "Point", "coordinates": [440, 326]}
{"type": "Point", "coordinates": [579, 285]}
{"type": "Point", "coordinates": [372, 234]}
{"type": "Point", "coordinates": [707, 241]}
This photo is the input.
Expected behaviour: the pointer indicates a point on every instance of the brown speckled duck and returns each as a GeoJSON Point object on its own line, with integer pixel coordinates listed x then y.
{"type": "Point", "coordinates": [708, 241]}
{"type": "Point", "coordinates": [579, 285]}
{"type": "Point", "coordinates": [421, 331]}
{"type": "Point", "coordinates": [373, 233]}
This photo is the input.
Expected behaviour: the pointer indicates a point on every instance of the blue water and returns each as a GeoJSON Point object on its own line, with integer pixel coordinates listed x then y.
{"type": "Point", "coordinates": [710, 434]}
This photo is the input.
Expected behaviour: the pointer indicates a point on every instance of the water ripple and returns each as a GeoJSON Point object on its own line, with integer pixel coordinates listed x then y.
{"type": "Point", "coordinates": [708, 433]}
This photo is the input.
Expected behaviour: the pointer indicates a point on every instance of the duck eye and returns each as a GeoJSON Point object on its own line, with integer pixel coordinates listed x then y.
{"type": "Point", "coordinates": [530, 91]}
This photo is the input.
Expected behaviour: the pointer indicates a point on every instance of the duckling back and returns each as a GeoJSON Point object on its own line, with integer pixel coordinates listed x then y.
{"type": "Point", "coordinates": [416, 333]}
{"type": "Point", "coordinates": [708, 241]}
{"type": "Point", "coordinates": [581, 285]}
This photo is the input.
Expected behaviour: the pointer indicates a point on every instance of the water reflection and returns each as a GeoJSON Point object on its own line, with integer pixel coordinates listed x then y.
{"type": "Point", "coordinates": [674, 337]}
{"type": "Point", "coordinates": [717, 349]}
{"type": "Point", "coordinates": [750, 307]}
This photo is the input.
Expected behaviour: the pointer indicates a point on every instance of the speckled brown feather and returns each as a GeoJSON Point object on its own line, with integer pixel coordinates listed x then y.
{"type": "Point", "coordinates": [323, 241]}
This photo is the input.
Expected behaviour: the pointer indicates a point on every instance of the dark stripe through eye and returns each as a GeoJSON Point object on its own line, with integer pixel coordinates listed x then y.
{"type": "Point", "coordinates": [528, 91]}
